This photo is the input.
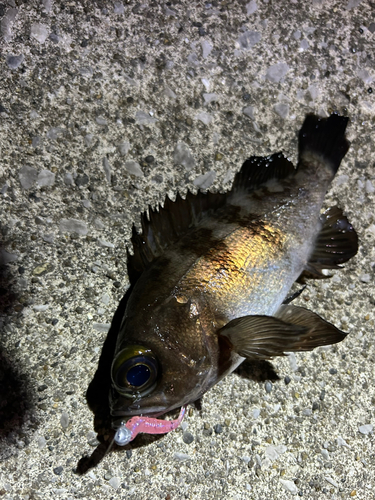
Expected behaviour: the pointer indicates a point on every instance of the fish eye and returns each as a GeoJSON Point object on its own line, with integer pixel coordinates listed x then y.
{"type": "Point", "coordinates": [134, 371]}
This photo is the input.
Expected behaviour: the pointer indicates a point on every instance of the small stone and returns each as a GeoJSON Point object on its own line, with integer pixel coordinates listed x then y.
{"type": "Point", "coordinates": [287, 380]}
{"type": "Point", "coordinates": [47, 4]}
{"type": "Point", "coordinates": [27, 176]}
{"type": "Point", "coordinates": [64, 420]}
{"type": "Point", "coordinates": [249, 111]}
{"type": "Point", "coordinates": [58, 470]}
{"type": "Point", "coordinates": [369, 186]}
{"type": "Point", "coordinates": [46, 178]}
{"type": "Point", "coordinates": [102, 327]}
{"type": "Point", "coordinates": [41, 442]}
{"type": "Point", "coordinates": [7, 21]}
{"type": "Point", "coordinates": [68, 179]}
{"type": "Point", "coordinates": [187, 438]}
{"type": "Point", "coordinates": [54, 38]}
{"type": "Point", "coordinates": [182, 156]}
{"type": "Point", "coordinates": [118, 8]}
{"type": "Point", "coordinates": [281, 109]}
{"type": "Point", "coordinates": [331, 481]}
{"type": "Point", "coordinates": [304, 44]}
{"type": "Point", "coordinates": [273, 452]}
{"type": "Point", "coordinates": [366, 429]}
{"type": "Point", "coordinates": [14, 62]}
{"type": "Point", "coordinates": [248, 39]}
{"type": "Point", "coordinates": [123, 148]}
{"type": "Point", "coordinates": [206, 48]}
{"type": "Point", "coordinates": [277, 72]}
{"type": "Point", "coordinates": [81, 180]}
{"type": "Point", "coordinates": [92, 439]}
{"type": "Point", "coordinates": [39, 32]}
{"type": "Point", "coordinates": [54, 133]}
{"type": "Point", "coordinates": [143, 118]}
{"type": "Point", "coordinates": [88, 139]}
{"type": "Point", "coordinates": [218, 428]}
{"type": "Point", "coordinates": [210, 98]}
{"type": "Point", "coordinates": [73, 226]}
{"type": "Point", "coordinates": [332, 371]}
{"type": "Point", "coordinates": [251, 7]}
{"type": "Point", "coordinates": [105, 299]}
{"type": "Point", "coordinates": [168, 92]}
{"type": "Point", "coordinates": [206, 84]}
{"type": "Point", "coordinates": [107, 169]}
{"type": "Point", "coordinates": [205, 118]}
{"type": "Point", "coordinates": [100, 120]}
{"type": "Point", "coordinates": [106, 244]}
{"type": "Point", "coordinates": [42, 269]}
{"type": "Point", "coordinates": [206, 180]}
{"type": "Point", "coordinates": [149, 159]}
{"type": "Point", "coordinates": [134, 168]}
{"type": "Point", "coordinates": [365, 278]}
{"type": "Point", "coordinates": [181, 457]}
{"type": "Point", "coordinates": [6, 257]}
{"type": "Point", "coordinates": [40, 307]}
{"type": "Point", "coordinates": [36, 141]}
{"type": "Point", "coordinates": [99, 224]}
{"type": "Point", "coordinates": [292, 361]}
{"type": "Point", "coordinates": [315, 406]}
{"type": "Point", "coordinates": [341, 179]}
{"type": "Point", "coordinates": [268, 387]}
{"type": "Point", "coordinates": [115, 482]}
{"type": "Point", "coordinates": [192, 59]}
{"type": "Point", "coordinates": [289, 486]}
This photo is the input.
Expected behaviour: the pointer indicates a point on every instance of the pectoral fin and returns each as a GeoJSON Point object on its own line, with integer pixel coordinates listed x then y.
{"type": "Point", "coordinates": [293, 329]}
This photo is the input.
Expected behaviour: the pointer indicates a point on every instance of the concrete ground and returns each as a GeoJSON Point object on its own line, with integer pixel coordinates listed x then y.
{"type": "Point", "coordinates": [106, 107]}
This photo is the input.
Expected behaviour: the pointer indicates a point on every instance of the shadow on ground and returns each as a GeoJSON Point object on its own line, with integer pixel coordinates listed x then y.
{"type": "Point", "coordinates": [16, 399]}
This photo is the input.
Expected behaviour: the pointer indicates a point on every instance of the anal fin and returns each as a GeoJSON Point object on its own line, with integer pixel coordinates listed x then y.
{"type": "Point", "coordinates": [337, 242]}
{"type": "Point", "coordinates": [293, 329]}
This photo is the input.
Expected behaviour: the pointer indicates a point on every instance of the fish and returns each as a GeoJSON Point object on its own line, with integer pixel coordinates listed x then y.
{"type": "Point", "coordinates": [211, 273]}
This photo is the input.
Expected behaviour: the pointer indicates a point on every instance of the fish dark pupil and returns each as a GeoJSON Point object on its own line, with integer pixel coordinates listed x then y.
{"type": "Point", "coordinates": [138, 375]}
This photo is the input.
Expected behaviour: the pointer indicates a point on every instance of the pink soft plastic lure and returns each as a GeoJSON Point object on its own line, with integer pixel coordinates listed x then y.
{"type": "Point", "coordinates": [127, 432]}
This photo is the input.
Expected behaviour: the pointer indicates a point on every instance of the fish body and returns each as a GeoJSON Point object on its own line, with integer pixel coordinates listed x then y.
{"type": "Point", "coordinates": [211, 273]}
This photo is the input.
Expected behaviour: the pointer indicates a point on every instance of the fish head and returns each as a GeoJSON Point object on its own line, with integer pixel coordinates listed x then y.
{"type": "Point", "coordinates": [163, 359]}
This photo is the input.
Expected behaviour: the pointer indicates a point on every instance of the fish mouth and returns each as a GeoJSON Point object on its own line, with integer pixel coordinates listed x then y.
{"type": "Point", "coordinates": [136, 410]}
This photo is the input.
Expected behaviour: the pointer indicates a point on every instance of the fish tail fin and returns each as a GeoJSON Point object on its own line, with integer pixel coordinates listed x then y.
{"type": "Point", "coordinates": [325, 138]}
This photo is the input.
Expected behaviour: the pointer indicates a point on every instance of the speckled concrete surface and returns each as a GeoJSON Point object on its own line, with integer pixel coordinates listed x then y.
{"type": "Point", "coordinates": [106, 107]}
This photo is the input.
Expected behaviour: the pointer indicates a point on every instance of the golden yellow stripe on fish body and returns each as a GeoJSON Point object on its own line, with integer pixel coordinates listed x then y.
{"type": "Point", "coordinates": [235, 266]}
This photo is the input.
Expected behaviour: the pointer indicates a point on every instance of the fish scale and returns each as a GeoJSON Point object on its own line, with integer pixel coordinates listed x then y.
{"type": "Point", "coordinates": [245, 263]}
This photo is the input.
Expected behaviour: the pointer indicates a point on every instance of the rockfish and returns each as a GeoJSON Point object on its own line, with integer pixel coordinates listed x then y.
{"type": "Point", "coordinates": [211, 274]}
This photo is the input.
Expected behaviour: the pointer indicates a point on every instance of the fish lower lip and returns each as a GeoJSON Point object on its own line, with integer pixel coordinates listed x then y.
{"type": "Point", "coordinates": [152, 409]}
{"type": "Point", "coordinates": [134, 410]}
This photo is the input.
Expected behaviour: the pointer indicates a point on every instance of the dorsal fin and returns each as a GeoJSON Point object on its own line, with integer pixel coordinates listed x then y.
{"type": "Point", "coordinates": [164, 226]}
{"type": "Point", "coordinates": [257, 170]}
